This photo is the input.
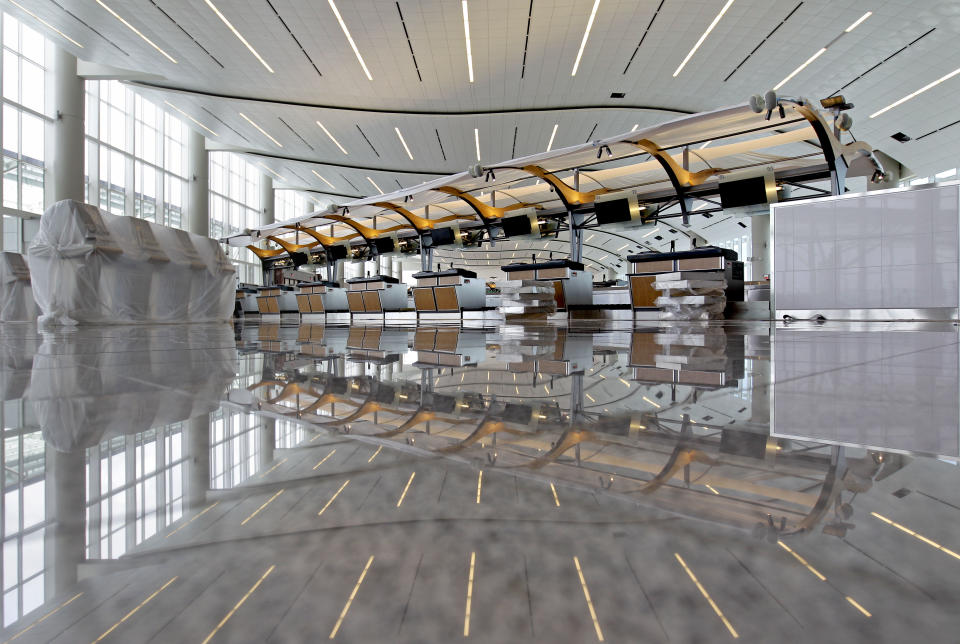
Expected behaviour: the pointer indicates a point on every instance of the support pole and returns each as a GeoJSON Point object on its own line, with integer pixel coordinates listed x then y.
{"type": "Point", "coordinates": [66, 166]}
{"type": "Point", "coordinates": [198, 188]}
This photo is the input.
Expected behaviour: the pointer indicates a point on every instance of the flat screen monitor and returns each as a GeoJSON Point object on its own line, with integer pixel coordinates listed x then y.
{"type": "Point", "coordinates": [745, 192]}
{"type": "Point", "coordinates": [384, 245]}
{"type": "Point", "coordinates": [613, 211]}
{"type": "Point", "coordinates": [337, 252]}
{"type": "Point", "coordinates": [516, 226]}
{"type": "Point", "coordinates": [442, 236]}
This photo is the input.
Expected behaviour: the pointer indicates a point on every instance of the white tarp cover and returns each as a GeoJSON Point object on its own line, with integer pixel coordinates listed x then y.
{"type": "Point", "coordinates": [16, 295]}
{"type": "Point", "coordinates": [91, 267]}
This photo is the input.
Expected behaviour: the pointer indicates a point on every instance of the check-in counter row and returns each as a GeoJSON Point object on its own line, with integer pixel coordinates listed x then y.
{"type": "Point", "coordinates": [376, 294]}
{"type": "Point", "coordinates": [452, 290]}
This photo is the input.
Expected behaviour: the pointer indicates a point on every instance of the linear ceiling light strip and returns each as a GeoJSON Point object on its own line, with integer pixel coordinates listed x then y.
{"type": "Point", "coordinates": [137, 31]}
{"type": "Point", "coordinates": [261, 130]}
{"type": "Point", "coordinates": [44, 22]}
{"type": "Point", "coordinates": [353, 45]}
{"type": "Point", "coordinates": [702, 38]}
{"type": "Point", "coordinates": [817, 55]}
{"type": "Point", "coordinates": [236, 33]}
{"type": "Point", "coordinates": [586, 35]}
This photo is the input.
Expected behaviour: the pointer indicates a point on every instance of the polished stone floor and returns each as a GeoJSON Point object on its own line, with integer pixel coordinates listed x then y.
{"type": "Point", "coordinates": [679, 482]}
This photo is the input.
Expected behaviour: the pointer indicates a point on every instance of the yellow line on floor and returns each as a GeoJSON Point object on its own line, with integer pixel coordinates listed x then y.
{"type": "Point", "coordinates": [64, 604]}
{"type": "Point", "coordinates": [858, 606]}
{"type": "Point", "coordinates": [131, 613]}
{"type": "Point", "coordinates": [273, 468]}
{"type": "Point", "coordinates": [191, 520]}
{"type": "Point", "coordinates": [257, 511]}
{"type": "Point", "coordinates": [335, 495]}
{"type": "Point", "coordinates": [238, 604]}
{"type": "Point", "coordinates": [706, 595]}
{"type": "Point", "coordinates": [370, 460]}
{"type": "Point", "coordinates": [466, 615]}
{"type": "Point", "coordinates": [802, 560]}
{"type": "Point", "coordinates": [586, 595]}
{"type": "Point", "coordinates": [324, 459]}
{"type": "Point", "coordinates": [479, 484]}
{"type": "Point", "coordinates": [346, 607]}
{"type": "Point", "coordinates": [556, 499]}
{"type": "Point", "coordinates": [916, 535]}
{"type": "Point", "coordinates": [406, 487]}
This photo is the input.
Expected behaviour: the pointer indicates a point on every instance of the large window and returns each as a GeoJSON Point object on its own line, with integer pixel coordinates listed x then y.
{"type": "Point", "coordinates": [136, 155]}
{"type": "Point", "coordinates": [24, 126]}
{"type": "Point", "coordinates": [288, 204]}
{"type": "Point", "coordinates": [235, 206]}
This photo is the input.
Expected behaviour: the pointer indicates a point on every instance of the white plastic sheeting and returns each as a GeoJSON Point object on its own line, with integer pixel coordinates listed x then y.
{"type": "Point", "coordinates": [16, 294]}
{"type": "Point", "coordinates": [91, 267]}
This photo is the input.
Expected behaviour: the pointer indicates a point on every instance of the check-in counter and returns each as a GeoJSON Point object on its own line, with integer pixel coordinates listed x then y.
{"type": "Point", "coordinates": [247, 296]}
{"type": "Point", "coordinates": [321, 297]}
{"type": "Point", "coordinates": [648, 266]}
{"type": "Point", "coordinates": [449, 347]}
{"type": "Point", "coordinates": [276, 299]}
{"type": "Point", "coordinates": [449, 291]}
{"type": "Point", "coordinates": [375, 344]}
{"type": "Point", "coordinates": [572, 285]}
{"type": "Point", "coordinates": [376, 294]}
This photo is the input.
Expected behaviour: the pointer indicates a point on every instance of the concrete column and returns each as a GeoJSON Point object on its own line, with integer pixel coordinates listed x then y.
{"type": "Point", "coordinates": [268, 438]}
{"type": "Point", "coordinates": [66, 504]}
{"type": "Point", "coordinates": [66, 166]}
{"type": "Point", "coordinates": [338, 273]}
{"type": "Point", "coordinates": [198, 188]}
{"type": "Point", "coordinates": [266, 200]}
{"type": "Point", "coordinates": [397, 268]}
{"type": "Point", "coordinates": [760, 246]}
{"type": "Point", "coordinates": [197, 444]}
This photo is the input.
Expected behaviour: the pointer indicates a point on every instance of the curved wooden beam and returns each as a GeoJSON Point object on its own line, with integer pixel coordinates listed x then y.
{"type": "Point", "coordinates": [419, 223]}
{"type": "Point", "coordinates": [569, 196]}
{"type": "Point", "coordinates": [484, 211]}
{"type": "Point", "coordinates": [292, 248]}
{"type": "Point", "coordinates": [325, 240]}
{"type": "Point", "coordinates": [365, 231]}
{"type": "Point", "coordinates": [265, 253]}
{"type": "Point", "coordinates": [681, 175]}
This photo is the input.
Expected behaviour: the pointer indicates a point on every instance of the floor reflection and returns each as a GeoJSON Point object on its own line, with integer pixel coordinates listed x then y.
{"type": "Point", "coordinates": [280, 482]}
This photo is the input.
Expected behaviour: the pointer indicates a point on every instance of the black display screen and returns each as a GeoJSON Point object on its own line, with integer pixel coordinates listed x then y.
{"type": "Point", "coordinates": [745, 192]}
{"type": "Point", "coordinates": [384, 245]}
{"type": "Point", "coordinates": [337, 252]}
{"type": "Point", "coordinates": [442, 236]}
{"type": "Point", "coordinates": [516, 226]}
{"type": "Point", "coordinates": [614, 211]}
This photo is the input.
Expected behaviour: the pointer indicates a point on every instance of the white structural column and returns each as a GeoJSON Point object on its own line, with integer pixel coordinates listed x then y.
{"type": "Point", "coordinates": [66, 167]}
{"type": "Point", "coordinates": [266, 200]}
{"type": "Point", "coordinates": [198, 187]}
{"type": "Point", "coordinates": [397, 271]}
{"type": "Point", "coordinates": [760, 246]}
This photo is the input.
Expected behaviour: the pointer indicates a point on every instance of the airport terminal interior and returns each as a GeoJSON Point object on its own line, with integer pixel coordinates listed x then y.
{"type": "Point", "coordinates": [480, 320]}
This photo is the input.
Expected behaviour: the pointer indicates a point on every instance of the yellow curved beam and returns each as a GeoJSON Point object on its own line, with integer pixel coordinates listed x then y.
{"type": "Point", "coordinates": [366, 231]}
{"type": "Point", "coordinates": [325, 240]}
{"type": "Point", "coordinates": [484, 210]}
{"type": "Point", "coordinates": [265, 253]}
{"type": "Point", "coordinates": [417, 221]}
{"type": "Point", "coordinates": [569, 195]}
{"type": "Point", "coordinates": [289, 247]}
{"type": "Point", "coordinates": [685, 177]}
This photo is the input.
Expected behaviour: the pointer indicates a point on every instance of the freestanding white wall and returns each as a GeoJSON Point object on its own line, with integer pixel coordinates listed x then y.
{"type": "Point", "coordinates": [889, 254]}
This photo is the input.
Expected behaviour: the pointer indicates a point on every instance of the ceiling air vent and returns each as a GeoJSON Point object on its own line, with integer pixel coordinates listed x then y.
{"type": "Point", "coordinates": [617, 95]}
{"type": "Point", "coordinates": [900, 136]}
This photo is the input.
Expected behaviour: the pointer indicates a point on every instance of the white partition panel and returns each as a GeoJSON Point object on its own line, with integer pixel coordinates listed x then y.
{"type": "Point", "coordinates": [889, 254]}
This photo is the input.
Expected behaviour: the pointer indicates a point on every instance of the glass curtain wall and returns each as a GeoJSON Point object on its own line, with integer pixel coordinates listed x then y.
{"type": "Point", "coordinates": [235, 206]}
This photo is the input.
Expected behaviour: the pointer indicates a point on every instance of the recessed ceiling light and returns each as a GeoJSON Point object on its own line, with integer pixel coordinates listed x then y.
{"type": "Point", "coordinates": [322, 179]}
{"type": "Point", "coordinates": [857, 23]}
{"type": "Point", "coordinates": [44, 22]}
{"type": "Point", "coordinates": [327, 132]}
{"type": "Point", "coordinates": [236, 33]}
{"type": "Point", "coordinates": [917, 93]}
{"type": "Point", "coordinates": [136, 31]}
{"type": "Point", "coordinates": [702, 38]}
{"type": "Point", "coordinates": [655, 230]}
{"type": "Point", "coordinates": [476, 141]}
{"type": "Point", "coordinates": [375, 185]}
{"type": "Point", "coordinates": [262, 131]}
{"type": "Point", "coordinates": [353, 45]}
{"type": "Point", "coordinates": [634, 128]}
{"type": "Point", "coordinates": [397, 130]}
{"type": "Point", "coordinates": [586, 34]}
{"type": "Point", "coordinates": [191, 118]}
{"type": "Point", "coordinates": [270, 170]}
{"type": "Point", "coordinates": [552, 134]}
{"type": "Point", "coordinates": [466, 35]}
{"type": "Point", "coordinates": [800, 68]}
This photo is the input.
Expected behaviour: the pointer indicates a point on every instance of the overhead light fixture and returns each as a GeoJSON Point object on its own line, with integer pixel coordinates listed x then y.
{"type": "Point", "coordinates": [136, 31]}
{"type": "Point", "coordinates": [397, 130]}
{"type": "Point", "coordinates": [262, 131]}
{"type": "Point", "coordinates": [236, 33]}
{"type": "Point", "coordinates": [375, 185]}
{"type": "Point", "coordinates": [552, 134]}
{"type": "Point", "coordinates": [191, 118]}
{"type": "Point", "coordinates": [917, 93]}
{"type": "Point", "coordinates": [322, 179]}
{"type": "Point", "coordinates": [857, 23]}
{"type": "Point", "coordinates": [270, 170]}
{"type": "Point", "coordinates": [476, 141]}
{"type": "Point", "coordinates": [44, 22]}
{"type": "Point", "coordinates": [800, 68]}
{"type": "Point", "coordinates": [702, 38]}
{"type": "Point", "coordinates": [654, 231]}
{"type": "Point", "coordinates": [466, 35]}
{"type": "Point", "coordinates": [327, 132]}
{"type": "Point", "coordinates": [622, 247]}
{"type": "Point", "coordinates": [353, 45]}
{"type": "Point", "coordinates": [634, 128]}
{"type": "Point", "coordinates": [586, 34]}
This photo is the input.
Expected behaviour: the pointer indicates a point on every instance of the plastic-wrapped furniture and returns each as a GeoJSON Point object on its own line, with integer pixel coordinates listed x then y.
{"type": "Point", "coordinates": [16, 294]}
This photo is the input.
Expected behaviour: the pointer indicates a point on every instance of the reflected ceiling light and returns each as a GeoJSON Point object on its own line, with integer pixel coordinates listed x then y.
{"type": "Point", "coordinates": [552, 134]}
{"type": "Point", "coordinates": [586, 34]}
{"type": "Point", "coordinates": [397, 130]}
{"type": "Point", "coordinates": [706, 144]}
{"type": "Point", "coordinates": [702, 38]}
{"type": "Point", "coordinates": [353, 45]}
{"type": "Point", "coordinates": [916, 93]}
{"type": "Point", "coordinates": [466, 35]}
{"type": "Point", "coordinates": [857, 23]}
{"type": "Point", "coordinates": [136, 31]}
{"type": "Point", "coordinates": [634, 128]}
{"type": "Point", "coordinates": [44, 22]}
{"type": "Point", "coordinates": [236, 33]}
{"type": "Point", "coordinates": [476, 141]}
{"type": "Point", "coordinates": [800, 68]}
{"type": "Point", "coordinates": [375, 185]}
{"type": "Point", "coordinates": [262, 131]}
{"type": "Point", "coordinates": [191, 118]}
{"type": "Point", "coordinates": [322, 179]}
{"type": "Point", "coordinates": [327, 132]}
